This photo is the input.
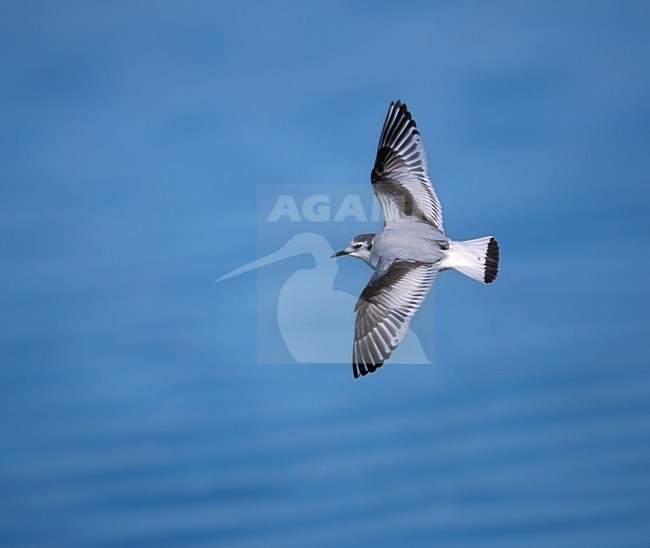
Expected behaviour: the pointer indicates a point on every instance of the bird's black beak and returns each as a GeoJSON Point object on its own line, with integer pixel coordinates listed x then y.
{"type": "Point", "coordinates": [339, 253]}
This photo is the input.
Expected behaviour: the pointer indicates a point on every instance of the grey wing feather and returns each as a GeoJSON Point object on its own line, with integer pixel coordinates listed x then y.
{"type": "Point", "coordinates": [400, 177]}
{"type": "Point", "coordinates": [385, 309]}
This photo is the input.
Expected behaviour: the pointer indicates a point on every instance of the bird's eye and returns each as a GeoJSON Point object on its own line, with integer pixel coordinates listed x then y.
{"type": "Point", "coordinates": [357, 246]}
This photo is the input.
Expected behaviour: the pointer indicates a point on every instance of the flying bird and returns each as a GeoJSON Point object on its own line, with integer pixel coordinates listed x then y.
{"type": "Point", "coordinates": [411, 249]}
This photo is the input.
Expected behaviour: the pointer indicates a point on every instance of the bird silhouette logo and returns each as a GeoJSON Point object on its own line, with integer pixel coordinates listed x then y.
{"type": "Point", "coordinates": [316, 321]}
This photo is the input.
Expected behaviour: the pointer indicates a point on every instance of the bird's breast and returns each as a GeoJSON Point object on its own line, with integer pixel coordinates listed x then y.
{"type": "Point", "coordinates": [410, 243]}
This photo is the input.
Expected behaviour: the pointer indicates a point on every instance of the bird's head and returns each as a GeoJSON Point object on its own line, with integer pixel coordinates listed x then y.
{"type": "Point", "coordinates": [360, 246]}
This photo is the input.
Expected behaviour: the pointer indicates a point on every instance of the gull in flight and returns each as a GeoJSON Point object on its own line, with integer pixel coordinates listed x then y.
{"type": "Point", "coordinates": [411, 249]}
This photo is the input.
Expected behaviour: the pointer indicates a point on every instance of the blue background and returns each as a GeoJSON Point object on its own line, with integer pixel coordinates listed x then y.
{"type": "Point", "coordinates": [133, 137]}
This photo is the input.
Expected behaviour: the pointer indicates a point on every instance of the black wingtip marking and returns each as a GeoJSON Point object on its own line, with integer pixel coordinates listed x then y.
{"type": "Point", "coordinates": [491, 261]}
{"type": "Point", "coordinates": [360, 370]}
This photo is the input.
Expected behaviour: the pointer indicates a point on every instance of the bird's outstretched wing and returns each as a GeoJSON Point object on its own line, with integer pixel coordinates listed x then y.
{"type": "Point", "coordinates": [385, 309]}
{"type": "Point", "coordinates": [399, 177]}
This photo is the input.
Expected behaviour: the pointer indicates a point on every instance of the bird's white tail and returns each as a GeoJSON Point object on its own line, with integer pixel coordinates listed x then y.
{"type": "Point", "coordinates": [478, 259]}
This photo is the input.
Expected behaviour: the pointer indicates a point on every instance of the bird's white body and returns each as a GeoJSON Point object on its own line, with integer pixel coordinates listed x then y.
{"type": "Point", "coordinates": [409, 240]}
